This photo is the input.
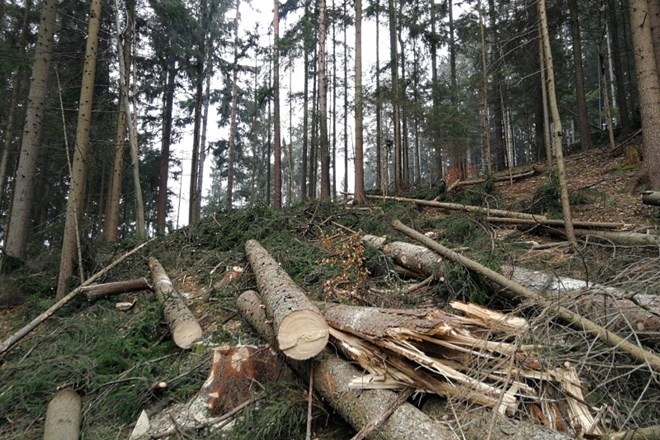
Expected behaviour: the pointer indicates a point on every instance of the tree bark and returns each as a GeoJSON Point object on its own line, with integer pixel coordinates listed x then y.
{"type": "Point", "coordinates": [63, 416]}
{"type": "Point", "coordinates": [556, 120]}
{"type": "Point", "coordinates": [619, 78]}
{"type": "Point", "coordinates": [98, 291]}
{"type": "Point", "coordinates": [76, 200]}
{"type": "Point", "coordinates": [485, 118]}
{"type": "Point", "coordinates": [648, 85]}
{"type": "Point", "coordinates": [183, 325]}
{"type": "Point", "coordinates": [324, 150]}
{"type": "Point", "coordinates": [411, 256]}
{"type": "Point", "coordinates": [18, 226]}
{"type": "Point", "coordinates": [163, 174]}
{"type": "Point", "coordinates": [111, 221]}
{"type": "Point", "coordinates": [394, 63]}
{"type": "Point", "coordinates": [637, 353]}
{"type": "Point", "coordinates": [359, 155]}
{"type": "Point", "coordinates": [461, 207]}
{"type": "Point", "coordinates": [551, 222]}
{"type": "Point", "coordinates": [301, 330]}
{"type": "Point", "coordinates": [277, 168]}
{"type": "Point", "coordinates": [234, 112]}
{"type": "Point", "coordinates": [583, 119]}
{"type": "Point", "coordinates": [332, 376]}
{"type": "Point", "coordinates": [651, 198]}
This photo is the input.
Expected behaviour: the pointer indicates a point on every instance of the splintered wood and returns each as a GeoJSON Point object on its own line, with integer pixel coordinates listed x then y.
{"type": "Point", "coordinates": [474, 356]}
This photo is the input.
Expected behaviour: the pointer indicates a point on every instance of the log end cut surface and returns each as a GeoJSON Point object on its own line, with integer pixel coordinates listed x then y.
{"type": "Point", "coordinates": [185, 333]}
{"type": "Point", "coordinates": [302, 334]}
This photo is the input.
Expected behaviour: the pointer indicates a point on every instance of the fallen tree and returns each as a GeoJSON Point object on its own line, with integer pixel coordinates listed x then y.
{"type": "Point", "coordinates": [613, 308]}
{"type": "Point", "coordinates": [411, 256]}
{"type": "Point", "coordinates": [555, 223]}
{"type": "Point", "coordinates": [651, 198]}
{"type": "Point", "coordinates": [501, 178]}
{"type": "Point", "coordinates": [460, 207]}
{"type": "Point", "coordinates": [638, 353]}
{"type": "Point", "coordinates": [332, 376]}
{"type": "Point", "coordinates": [301, 331]}
{"type": "Point", "coordinates": [622, 237]}
{"type": "Point", "coordinates": [98, 291]}
{"type": "Point", "coordinates": [8, 343]}
{"type": "Point", "coordinates": [183, 325]}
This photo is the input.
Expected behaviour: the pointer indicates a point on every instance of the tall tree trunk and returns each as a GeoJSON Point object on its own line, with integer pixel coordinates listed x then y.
{"type": "Point", "coordinates": [435, 86]}
{"type": "Point", "coordinates": [140, 231]}
{"type": "Point", "coordinates": [74, 206]}
{"type": "Point", "coordinates": [324, 149]}
{"type": "Point", "coordinates": [619, 78]}
{"type": "Point", "coordinates": [277, 169]}
{"type": "Point", "coordinates": [18, 227]}
{"type": "Point", "coordinates": [334, 106]}
{"type": "Point", "coordinates": [648, 86]}
{"type": "Point", "coordinates": [496, 102]}
{"type": "Point", "coordinates": [168, 107]}
{"type": "Point", "coordinates": [234, 111]}
{"type": "Point", "coordinates": [654, 16]}
{"type": "Point", "coordinates": [203, 149]}
{"type": "Point", "coordinates": [111, 221]}
{"type": "Point", "coordinates": [556, 120]}
{"type": "Point", "coordinates": [12, 108]}
{"type": "Point", "coordinates": [405, 170]}
{"type": "Point", "coordinates": [314, 141]}
{"type": "Point", "coordinates": [345, 104]}
{"type": "Point", "coordinates": [305, 136]}
{"type": "Point", "coordinates": [583, 119]}
{"type": "Point", "coordinates": [545, 123]}
{"type": "Point", "coordinates": [359, 157]}
{"type": "Point", "coordinates": [485, 108]}
{"type": "Point", "coordinates": [381, 152]}
{"type": "Point", "coordinates": [394, 63]}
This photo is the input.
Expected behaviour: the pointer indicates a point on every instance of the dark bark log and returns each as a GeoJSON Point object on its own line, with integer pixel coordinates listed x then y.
{"type": "Point", "coordinates": [63, 416]}
{"type": "Point", "coordinates": [639, 354]}
{"type": "Point", "coordinates": [301, 329]}
{"type": "Point", "coordinates": [460, 207]}
{"type": "Point", "coordinates": [97, 291]}
{"type": "Point", "coordinates": [332, 376]}
{"type": "Point", "coordinates": [183, 325]}
{"type": "Point", "coordinates": [411, 256]}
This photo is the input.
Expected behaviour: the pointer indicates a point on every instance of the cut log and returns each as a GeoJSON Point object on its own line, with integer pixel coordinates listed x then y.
{"type": "Point", "coordinates": [556, 223]}
{"type": "Point", "coordinates": [651, 198]}
{"type": "Point", "coordinates": [332, 377]}
{"type": "Point", "coordinates": [639, 354]}
{"type": "Point", "coordinates": [63, 416]}
{"type": "Point", "coordinates": [301, 330]}
{"type": "Point", "coordinates": [460, 207]}
{"type": "Point", "coordinates": [8, 343]}
{"type": "Point", "coordinates": [411, 256]}
{"type": "Point", "coordinates": [613, 308]}
{"type": "Point", "coordinates": [97, 291]}
{"type": "Point", "coordinates": [183, 325]}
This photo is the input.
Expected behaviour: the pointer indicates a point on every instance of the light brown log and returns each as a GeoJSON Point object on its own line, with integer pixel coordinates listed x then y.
{"type": "Point", "coordinates": [332, 376]}
{"type": "Point", "coordinates": [623, 238]}
{"type": "Point", "coordinates": [301, 330]}
{"type": "Point", "coordinates": [20, 334]}
{"type": "Point", "coordinates": [460, 207]}
{"type": "Point", "coordinates": [647, 433]}
{"type": "Point", "coordinates": [635, 352]}
{"type": "Point", "coordinates": [613, 308]}
{"type": "Point", "coordinates": [63, 416]}
{"type": "Point", "coordinates": [183, 325]}
{"type": "Point", "coordinates": [97, 291]}
{"type": "Point", "coordinates": [651, 198]}
{"type": "Point", "coordinates": [555, 223]}
{"type": "Point", "coordinates": [408, 255]}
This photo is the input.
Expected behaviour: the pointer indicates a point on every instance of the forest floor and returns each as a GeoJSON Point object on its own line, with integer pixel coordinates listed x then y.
{"type": "Point", "coordinates": [113, 358]}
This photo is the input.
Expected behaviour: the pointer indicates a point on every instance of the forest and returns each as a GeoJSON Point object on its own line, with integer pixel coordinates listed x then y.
{"type": "Point", "coordinates": [186, 130]}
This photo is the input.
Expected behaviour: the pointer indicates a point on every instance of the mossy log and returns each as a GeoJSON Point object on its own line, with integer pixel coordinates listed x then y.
{"type": "Point", "coordinates": [301, 330]}
{"type": "Point", "coordinates": [332, 376]}
{"type": "Point", "coordinates": [183, 325]}
{"type": "Point", "coordinates": [639, 354]}
{"type": "Point", "coordinates": [460, 207]}
{"type": "Point", "coordinates": [63, 416]}
{"type": "Point", "coordinates": [411, 256]}
{"type": "Point", "coordinates": [98, 291]}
